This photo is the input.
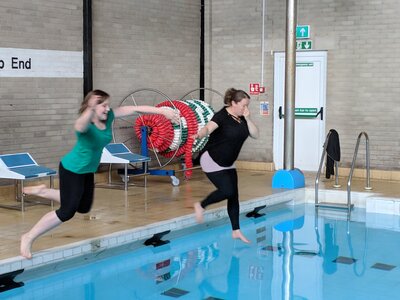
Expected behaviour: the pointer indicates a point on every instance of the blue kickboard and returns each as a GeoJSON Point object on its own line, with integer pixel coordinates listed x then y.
{"type": "Point", "coordinates": [15, 160]}
{"type": "Point", "coordinates": [117, 148]}
{"type": "Point", "coordinates": [131, 157]}
{"type": "Point", "coordinates": [33, 171]}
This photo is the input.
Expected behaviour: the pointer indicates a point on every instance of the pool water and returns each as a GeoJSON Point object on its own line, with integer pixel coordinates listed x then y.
{"type": "Point", "coordinates": [296, 253]}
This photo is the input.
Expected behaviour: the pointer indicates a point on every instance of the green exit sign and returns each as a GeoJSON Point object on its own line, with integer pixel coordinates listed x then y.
{"type": "Point", "coordinates": [302, 31]}
{"type": "Point", "coordinates": [306, 112]}
{"type": "Point", "coordinates": [304, 45]}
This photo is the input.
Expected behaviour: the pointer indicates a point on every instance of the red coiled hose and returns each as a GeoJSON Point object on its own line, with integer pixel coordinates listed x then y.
{"type": "Point", "coordinates": [161, 132]}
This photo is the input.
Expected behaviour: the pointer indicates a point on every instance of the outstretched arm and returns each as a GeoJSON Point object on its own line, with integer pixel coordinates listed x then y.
{"type": "Point", "coordinates": [124, 111]}
{"type": "Point", "coordinates": [206, 130]}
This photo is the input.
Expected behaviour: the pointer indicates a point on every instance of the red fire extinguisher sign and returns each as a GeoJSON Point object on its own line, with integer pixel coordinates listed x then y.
{"type": "Point", "coordinates": [254, 88]}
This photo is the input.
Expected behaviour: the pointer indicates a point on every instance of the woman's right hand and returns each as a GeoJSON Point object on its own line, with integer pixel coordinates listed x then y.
{"type": "Point", "coordinates": [93, 101]}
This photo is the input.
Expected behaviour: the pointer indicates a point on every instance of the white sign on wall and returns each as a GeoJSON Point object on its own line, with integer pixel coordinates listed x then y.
{"type": "Point", "coordinates": [16, 62]}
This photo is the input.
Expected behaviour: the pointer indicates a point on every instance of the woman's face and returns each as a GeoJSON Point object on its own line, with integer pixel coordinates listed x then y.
{"type": "Point", "coordinates": [240, 107]}
{"type": "Point", "coordinates": [102, 110]}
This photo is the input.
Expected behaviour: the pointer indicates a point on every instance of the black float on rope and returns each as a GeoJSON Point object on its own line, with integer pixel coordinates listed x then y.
{"type": "Point", "coordinates": [156, 239]}
{"type": "Point", "coordinates": [254, 213]}
{"type": "Point", "coordinates": [7, 281]}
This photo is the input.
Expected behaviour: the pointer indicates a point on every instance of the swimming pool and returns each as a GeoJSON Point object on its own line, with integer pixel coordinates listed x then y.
{"type": "Point", "coordinates": [296, 253]}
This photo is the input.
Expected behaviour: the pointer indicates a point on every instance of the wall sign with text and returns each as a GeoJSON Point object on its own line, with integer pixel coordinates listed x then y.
{"type": "Point", "coordinates": [16, 62]}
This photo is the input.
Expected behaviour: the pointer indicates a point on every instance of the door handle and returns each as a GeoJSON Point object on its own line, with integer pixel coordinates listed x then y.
{"type": "Point", "coordinates": [280, 112]}
{"type": "Point", "coordinates": [321, 112]}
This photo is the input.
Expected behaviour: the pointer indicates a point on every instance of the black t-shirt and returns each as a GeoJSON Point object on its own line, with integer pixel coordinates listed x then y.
{"type": "Point", "coordinates": [225, 142]}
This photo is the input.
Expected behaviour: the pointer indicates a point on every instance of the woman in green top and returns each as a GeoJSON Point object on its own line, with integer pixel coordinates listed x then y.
{"type": "Point", "coordinates": [77, 168]}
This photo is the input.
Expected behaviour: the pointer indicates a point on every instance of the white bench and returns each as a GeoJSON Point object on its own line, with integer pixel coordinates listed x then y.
{"type": "Point", "coordinates": [118, 153]}
{"type": "Point", "coordinates": [21, 167]}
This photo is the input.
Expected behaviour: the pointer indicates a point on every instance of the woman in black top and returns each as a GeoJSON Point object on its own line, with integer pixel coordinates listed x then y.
{"type": "Point", "coordinates": [227, 131]}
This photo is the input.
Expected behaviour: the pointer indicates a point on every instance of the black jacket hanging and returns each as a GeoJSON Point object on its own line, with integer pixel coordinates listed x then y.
{"type": "Point", "coordinates": [333, 152]}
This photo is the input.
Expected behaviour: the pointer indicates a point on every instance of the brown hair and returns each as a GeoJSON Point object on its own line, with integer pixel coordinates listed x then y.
{"type": "Point", "coordinates": [103, 97]}
{"type": "Point", "coordinates": [233, 95]}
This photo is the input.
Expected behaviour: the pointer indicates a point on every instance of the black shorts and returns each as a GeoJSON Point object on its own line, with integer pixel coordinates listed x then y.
{"type": "Point", "coordinates": [76, 193]}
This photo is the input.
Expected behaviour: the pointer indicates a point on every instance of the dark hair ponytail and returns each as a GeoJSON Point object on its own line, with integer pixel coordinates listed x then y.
{"type": "Point", "coordinates": [234, 95]}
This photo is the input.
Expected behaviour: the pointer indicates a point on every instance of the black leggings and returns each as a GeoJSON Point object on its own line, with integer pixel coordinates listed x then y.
{"type": "Point", "coordinates": [226, 182]}
{"type": "Point", "coordinates": [76, 193]}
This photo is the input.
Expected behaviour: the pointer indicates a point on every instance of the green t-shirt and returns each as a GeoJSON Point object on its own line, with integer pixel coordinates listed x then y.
{"type": "Point", "coordinates": [86, 154]}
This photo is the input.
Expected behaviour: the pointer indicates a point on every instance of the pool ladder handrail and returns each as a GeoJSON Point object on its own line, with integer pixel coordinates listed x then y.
{"type": "Point", "coordinates": [367, 165]}
{"type": "Point", "coordinates": [321, 163]}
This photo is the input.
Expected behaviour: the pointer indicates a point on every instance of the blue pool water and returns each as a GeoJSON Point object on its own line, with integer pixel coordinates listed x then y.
{"type": "Point", "coordinates": [295, 253]}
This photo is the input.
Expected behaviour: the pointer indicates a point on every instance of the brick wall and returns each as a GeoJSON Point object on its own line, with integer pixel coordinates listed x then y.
{"type": "Point", "coordinates": [363, 81]}
{"type": "Point", "coordinates": [136, 44]}
{"type": "Point", "coordinates": [155, 44]}
{"type": "Point", "coordinates": [37, 114]}
{"type": "Point", "coordinates": [146, 44]}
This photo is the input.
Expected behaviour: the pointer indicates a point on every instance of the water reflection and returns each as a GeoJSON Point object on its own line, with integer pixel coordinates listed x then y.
{"type": "Point", "coordinates": [287, 229]}
{"type": "Point", "coordinates": [330, 250]}
{"type": "Point", "coordinates": [231, 290]}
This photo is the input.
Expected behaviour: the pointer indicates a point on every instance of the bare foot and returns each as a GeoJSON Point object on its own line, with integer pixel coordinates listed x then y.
{"type": "Point", "coordinates": [36, 190]}
{"type": "Point", "coordinates": [198, 211]}
{"type": "Point", "coordinates": [237, 234]}
{"type": "Point", "coordinates": [26, 244]}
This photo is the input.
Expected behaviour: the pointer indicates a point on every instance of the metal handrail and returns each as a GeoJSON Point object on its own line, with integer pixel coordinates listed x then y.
{"type": "Point", "coordinates": [367, 166]}
{"type": "Point", "coordinates": [321, 163]}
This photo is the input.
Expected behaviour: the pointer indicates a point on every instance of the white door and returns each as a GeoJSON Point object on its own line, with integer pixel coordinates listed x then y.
{"type": "Point", "coordinates": [310, 100]}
